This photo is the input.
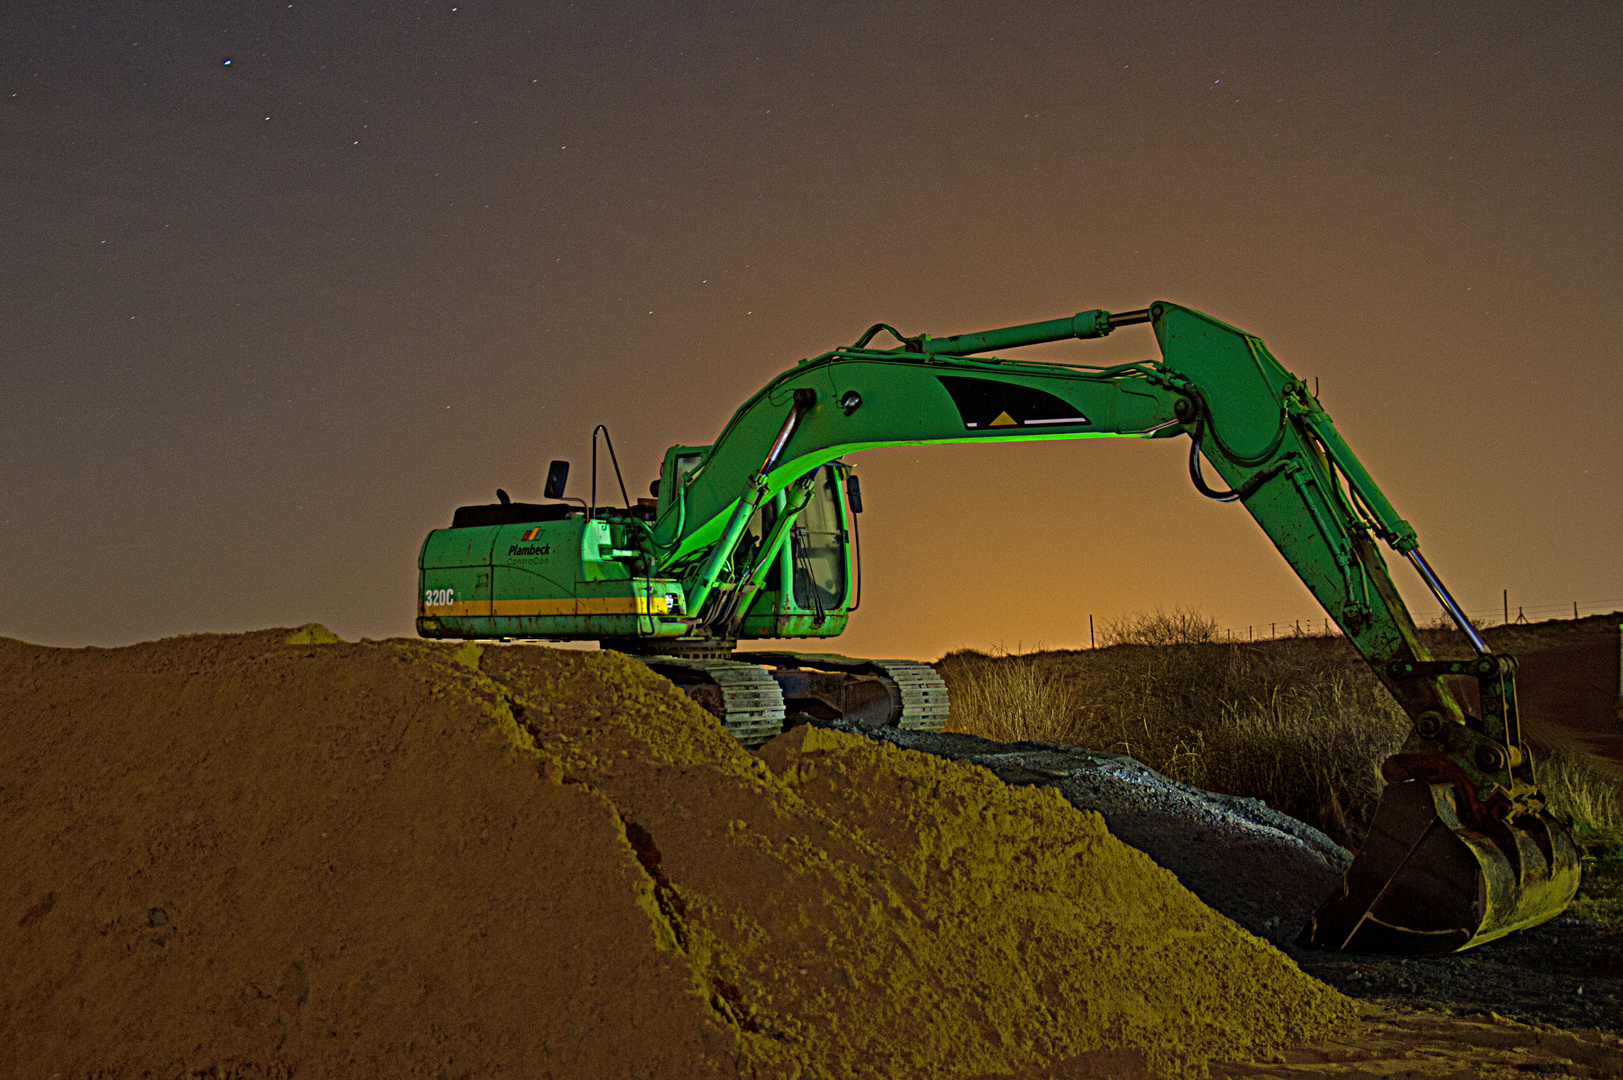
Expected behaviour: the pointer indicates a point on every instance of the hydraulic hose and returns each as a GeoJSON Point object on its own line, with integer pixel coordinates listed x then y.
{"type": "Point", "coordinates": [1237, 494]}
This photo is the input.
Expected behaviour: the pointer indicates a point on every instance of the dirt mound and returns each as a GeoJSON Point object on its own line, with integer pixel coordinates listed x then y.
{"type": "Point", "coordinates": [397, 858]}
{"type": "Point", "coordinates": [1400, 1044]}
{"type": "Point", "coordinates": [1266, 871]}
{"type": "Point", "coordinates": [273, 860]}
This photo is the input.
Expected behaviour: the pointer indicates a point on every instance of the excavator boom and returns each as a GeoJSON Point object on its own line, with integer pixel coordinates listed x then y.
{"type": "Point", "coordinates": [1462, 849]}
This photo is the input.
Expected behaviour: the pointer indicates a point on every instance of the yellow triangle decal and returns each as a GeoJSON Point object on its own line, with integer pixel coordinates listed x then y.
{"type": "Point", "coordinates": [1004, 420]}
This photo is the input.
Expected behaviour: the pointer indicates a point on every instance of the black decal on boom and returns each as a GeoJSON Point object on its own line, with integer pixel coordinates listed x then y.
{"type": "Point", "coordinates": [988, 403]}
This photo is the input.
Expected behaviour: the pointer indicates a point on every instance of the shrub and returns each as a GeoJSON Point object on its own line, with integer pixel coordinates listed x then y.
{"type": "Point", "coordinates": [1182, 627]}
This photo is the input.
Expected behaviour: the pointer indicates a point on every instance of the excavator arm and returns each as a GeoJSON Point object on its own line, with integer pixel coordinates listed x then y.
{"type": "Point", "coordinates": [1461, 850]}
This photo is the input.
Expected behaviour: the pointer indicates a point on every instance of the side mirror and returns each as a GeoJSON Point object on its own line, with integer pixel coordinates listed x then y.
{"type": "Point", "coordinates": [557, 477]}
{"type": "Point", "coordinates": [853, 493]}
{"type": "Point", "coordinates": [653, 489]}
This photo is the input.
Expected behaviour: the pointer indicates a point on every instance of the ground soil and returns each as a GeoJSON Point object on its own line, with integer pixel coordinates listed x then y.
{"type": "Point", "coordinates": [1394, 1043]}
{"type": "Point", "coordinates": [264, 856]}
{"type": "Point", "coordinates": [1567, 972]}
{"type": "Point", "coordinates": [1410, 1044]}
{"type": "Point", "coordinates": [1569, 698]}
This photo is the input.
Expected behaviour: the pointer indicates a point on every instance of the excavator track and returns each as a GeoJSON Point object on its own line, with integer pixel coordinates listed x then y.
{"type": "Point", "coordinates": [750, 693]}
{"type": "Point", "coordinates": [919, 696]}
{"type": "Point", "coordinates": [924, 694]}
{"type": "Point", "coordinates": [745, 697]}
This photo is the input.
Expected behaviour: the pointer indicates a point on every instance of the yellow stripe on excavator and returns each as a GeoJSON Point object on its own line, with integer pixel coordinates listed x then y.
{"type": "Point", "coordinates": [568, 605]}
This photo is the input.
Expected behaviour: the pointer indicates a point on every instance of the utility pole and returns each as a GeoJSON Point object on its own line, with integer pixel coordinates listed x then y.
{"type": "Point", "coordinates": [1507, 607]}
{"type": "Point", "coordinates": [1090, 631]}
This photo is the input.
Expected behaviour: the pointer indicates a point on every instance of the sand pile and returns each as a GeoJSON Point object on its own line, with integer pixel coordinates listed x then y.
{"type": "Point", "coordinates": [263, 859]}
{"type": "Point", "coordinates": [1266, 871]}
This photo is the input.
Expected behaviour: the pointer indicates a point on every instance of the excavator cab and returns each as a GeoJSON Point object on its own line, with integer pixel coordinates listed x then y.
{"type": "Point", "coordinates": [818, 559]}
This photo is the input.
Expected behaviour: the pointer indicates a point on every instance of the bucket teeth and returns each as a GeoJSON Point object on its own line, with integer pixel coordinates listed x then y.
{"type": "Point", "coordinates": [1424, 883]}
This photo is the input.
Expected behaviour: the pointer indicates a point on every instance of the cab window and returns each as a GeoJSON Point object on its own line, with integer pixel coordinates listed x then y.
{"type": "Point", "coordinates": [818, 547]}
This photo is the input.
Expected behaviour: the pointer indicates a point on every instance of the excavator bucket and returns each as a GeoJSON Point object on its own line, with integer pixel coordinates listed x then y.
{"type": "Point", "coordinates": [1425, 884]}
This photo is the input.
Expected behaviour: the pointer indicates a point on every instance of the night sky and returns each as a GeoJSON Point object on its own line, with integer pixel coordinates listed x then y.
{"type": "Point", "coordinates": [265, 323]}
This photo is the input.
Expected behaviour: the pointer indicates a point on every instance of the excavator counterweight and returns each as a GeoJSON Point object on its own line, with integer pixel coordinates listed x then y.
{"type": "Point", "coordinates": [753, 537]}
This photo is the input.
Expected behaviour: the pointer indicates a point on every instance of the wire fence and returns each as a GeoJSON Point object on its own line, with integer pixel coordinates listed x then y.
{"type": "Point", "coordinates": [1506, 613]}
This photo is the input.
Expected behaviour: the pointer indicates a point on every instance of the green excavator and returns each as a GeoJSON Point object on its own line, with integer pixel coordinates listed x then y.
{"type": "Point", "coordinates": [753, 536]}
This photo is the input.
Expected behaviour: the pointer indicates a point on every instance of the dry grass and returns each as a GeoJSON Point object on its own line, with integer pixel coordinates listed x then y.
{"type": "Point", "coordinates": [1015, 698]}
{"type": "Point", "coordinates": [1580, 792]}
{"type": "Point", "coordinates": [1297, 722]}
{"type": "Point", "coordinates": [1591, 801]}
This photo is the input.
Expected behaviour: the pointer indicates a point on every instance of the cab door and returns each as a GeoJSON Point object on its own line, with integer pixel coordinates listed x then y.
{"type": "Point", "coordinates": [818, 548]}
